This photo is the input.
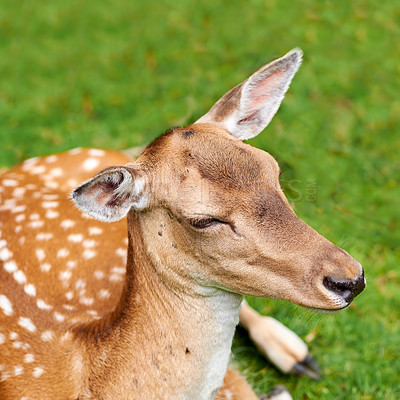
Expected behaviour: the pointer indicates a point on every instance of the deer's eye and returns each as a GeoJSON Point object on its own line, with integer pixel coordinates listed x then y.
{"type": "Point", "coordinates": [202, 223]}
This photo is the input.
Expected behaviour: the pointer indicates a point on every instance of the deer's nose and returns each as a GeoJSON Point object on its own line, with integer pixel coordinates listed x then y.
{"type": "Point", "coordinates": [345, 288]}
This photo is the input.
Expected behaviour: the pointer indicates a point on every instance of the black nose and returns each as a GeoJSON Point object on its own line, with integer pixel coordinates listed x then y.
{"type": "Point", "coordinates": [346, 289]}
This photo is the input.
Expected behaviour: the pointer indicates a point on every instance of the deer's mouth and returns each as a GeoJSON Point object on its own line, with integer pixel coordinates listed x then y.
{"type": "Point", "coordinates": [327, 310]}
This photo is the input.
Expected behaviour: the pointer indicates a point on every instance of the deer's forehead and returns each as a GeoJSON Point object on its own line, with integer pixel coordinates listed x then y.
{"type": "Point", "coordinates": [229, 163]}
{"type": "Point", "coordinates": [221, 161]}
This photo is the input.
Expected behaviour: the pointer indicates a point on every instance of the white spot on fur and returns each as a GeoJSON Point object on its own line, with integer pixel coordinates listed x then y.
{"type": "Point", "coordinates": [89, 243]}
{"type": "Point", "coordinates": [98, 274]}
{"type": "Point", "coordinates": [47, 336]}
{"type": "Point", "coordinates": [65, 337]}
{"type": "Point", "coordinates": [59, 317]}
{"type": "Point", "coordinates": [96, 152]}
{"type": "Point", "coordinates": [76, 238]}
{"type": "Point", "coordinates": [51, 159]}
{"type": "Point", "coordinates": [40, 254]}
{"type": "Point", "coordinates": [20, 277]}
{"type": "Point", "coordinates": [88, 254]}
{"type": "Point", "coordinates": [71, 264]}
{"type": "Point", "coordinates": [34, 217]}
{"type": "Point", "coordinates": [10, 266]}
{"type": "Point", "coordinates": [4, 375]}
{"type": "Point", "coordinates": [36, 224]}
{"type": "Point", "coordinates": [72, 183]}
{"type": "Point", "coordinates": [31, 161]}
{"type": "Point", "coordinates": [19, 218]}
{"type": "Point", "coordinates": [10, 182]}
{"type": "Point", "coordinates": [9, 204]}
{"type": "Point", "coordinates": [40, 169]}
{"type": "Point", "coordinates": [43, 305]}
{"type": "Point", "coordinates": [69, 295]}
{"type": "Point", "coordinates": [104, 294]}
{"type": "Point", "coordinates": [5, 305]}
{"type": "Point", "coordinates": [27, 324]}
{"type": "Point", "coordinates": [118, 270]}
{"type": "Point", "coordinates": [68, 307]}
{"type": "Point", "coordinates": [21, 240]}
{"type": "Point", "coordinates": [29, 358]}
{"type": "Point", "coordinates": [87, 301]}
{"type": "Point", "coordinates": [56, 172]}
{"type": "Point", "coordinates": [26, 346]}
{"type": "Point", "coordinates": [5, 254]}
{"type": "Point", "coordinates": [2, 338]}
{"type": "Point", "coordinates": [38, 372]}
{"type": "Point", "coordinates": [50, 214]}
{"type": "Point", "coordinates": [45, 267]}
{"type": "Point", "coordinates": [115, 278]}
{"type": "Point", "coordinates": [44, 236]}
{"type": "Point", "coordinates": [62, 253]}
{"type": "Point", "coordinates": [90, 164]}
{"type": "Point", "coordinates": [30, 289]}
{"type": "Point", "coordinates": [50, 204]}
{"type": "Point", "coordinates": [50, 197]}
{"type": "Point", "coordinates": [18, 370]}
{"type": "Point", "coordinates": [67, 223]}
{"type": "Point", "coordinates": [18, 209]}
{"type": "Point", "coordinates": [14, 336]}
{"type": "Point", "coordinates": [65, 275]}
{"type": "Point", "coordinates": [94, 230]}
{"type": "Point", "coordinates": [121, 252]}
{"type": "Point", "coordinates": [80, 284]}
{"type": "Point", "coordinates": [19, 192]}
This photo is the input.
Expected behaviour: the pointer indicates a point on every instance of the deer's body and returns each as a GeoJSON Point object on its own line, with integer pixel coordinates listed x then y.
{"type": "Point", "coordinates": [208, 223]}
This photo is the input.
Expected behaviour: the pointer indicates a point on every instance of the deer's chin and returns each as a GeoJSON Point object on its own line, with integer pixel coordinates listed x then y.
{"type": "Point", "coordinates": [326, 310]}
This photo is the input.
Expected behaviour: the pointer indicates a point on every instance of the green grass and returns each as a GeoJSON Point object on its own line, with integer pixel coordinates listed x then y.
{"type": "Point", "coordinates": [115, 74]}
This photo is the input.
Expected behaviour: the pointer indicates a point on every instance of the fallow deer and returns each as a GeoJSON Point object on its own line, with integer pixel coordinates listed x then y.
{"type": "Point", "coordinates": [207, 224]}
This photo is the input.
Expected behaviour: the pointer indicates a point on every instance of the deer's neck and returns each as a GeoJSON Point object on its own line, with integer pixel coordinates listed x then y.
{"type": "Point", "coordinates": [160, 343]}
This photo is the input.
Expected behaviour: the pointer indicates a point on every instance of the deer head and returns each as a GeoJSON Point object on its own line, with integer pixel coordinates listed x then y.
{"type": "Point", "coordinates": [212, 212]}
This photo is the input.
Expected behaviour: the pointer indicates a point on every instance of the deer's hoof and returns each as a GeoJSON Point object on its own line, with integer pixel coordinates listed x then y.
{"type": "Point", "coordinates": [278, 393]}
{"type": "Point", "coordinates": [309, 367]}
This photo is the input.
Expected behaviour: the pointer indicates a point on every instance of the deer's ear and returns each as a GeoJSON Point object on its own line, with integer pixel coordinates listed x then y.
{"type": "Point", "coordinates": [110, 194]}
{"type": "Point", "coordinates": [249, 107]}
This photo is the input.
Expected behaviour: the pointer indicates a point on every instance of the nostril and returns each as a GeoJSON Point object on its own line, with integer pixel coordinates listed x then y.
{"type": "Point", "coordinates": [346, 289]}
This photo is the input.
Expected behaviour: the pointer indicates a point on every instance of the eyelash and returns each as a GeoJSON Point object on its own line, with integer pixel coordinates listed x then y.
{"type": "Point", "coordinates": [204, 222]}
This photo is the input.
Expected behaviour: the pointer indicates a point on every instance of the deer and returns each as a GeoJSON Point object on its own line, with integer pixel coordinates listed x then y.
{"type": "Point", "coordinates": [88, 312]}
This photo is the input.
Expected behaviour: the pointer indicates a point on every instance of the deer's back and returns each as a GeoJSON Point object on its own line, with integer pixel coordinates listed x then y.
{"type": "Point", "coordinates": [57, 266]}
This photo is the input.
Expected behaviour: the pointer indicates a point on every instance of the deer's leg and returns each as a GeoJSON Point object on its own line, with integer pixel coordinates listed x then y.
{"type": "Point", "coordinates": [236, 388]}
{"type": "Point", "coordinates": [278, 343]}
